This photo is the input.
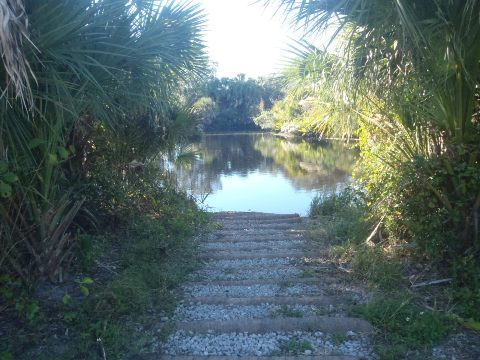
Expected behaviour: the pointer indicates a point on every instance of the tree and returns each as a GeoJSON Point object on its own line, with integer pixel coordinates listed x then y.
{"type": "Point", "coordinates": [234, 102]}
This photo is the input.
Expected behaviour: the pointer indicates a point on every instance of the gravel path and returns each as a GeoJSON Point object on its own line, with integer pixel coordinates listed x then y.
{"type": "Point", "coordinates": [264, 306]}
{"type": "Point", "coordinates": [272, 244]}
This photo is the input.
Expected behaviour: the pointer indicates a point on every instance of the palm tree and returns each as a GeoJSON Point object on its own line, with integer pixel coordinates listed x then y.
{"type": "Point", "coordinates": [95, 62]}
{"type": "Point", "coordinates": [426, 51]}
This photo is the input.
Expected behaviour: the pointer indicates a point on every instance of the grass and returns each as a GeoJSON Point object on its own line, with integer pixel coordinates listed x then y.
{"type": "Point", "coordinates": [404, 325]}
{"type": "Point", "coordinates": [288, 311]}
{"type": "Point", "coordinates": [339, 338]}
{"type": "Point", "coordinates": [373, 265]}
{"type": "Point", "coordinates": [295, 346]}
{"type": "Point", "coordinates": [121, 313]}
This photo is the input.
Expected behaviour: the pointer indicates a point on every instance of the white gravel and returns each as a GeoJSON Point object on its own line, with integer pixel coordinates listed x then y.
{"type": "Point", "coordinates": [276, 244]}
{"type": "Point", "coordinates": [241, 263]}
{"type": "Point", "coordinates": [273, 343]}
{"type": "Point", "coordinates": [235, 312]}
{"type": "Point", "coordinates": [250, 291]}
{"type": "Point", "coordinates": [272, 272]}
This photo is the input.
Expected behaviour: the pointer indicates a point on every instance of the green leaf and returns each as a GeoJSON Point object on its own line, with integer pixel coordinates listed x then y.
{"type": "Point", "coordinates": [66, 299]}
{"type": "Point", "coordinates": [52, 159]}
{"type": "Point", "coordinates": [35, 143]}
{"type": "Point", "coordinates": [472, 324]}
{"type": "Point", "coordinates": [5, 190]}
{"type": "Point", "coordinates": [84, 290]}
{"type": "Point", "coordinates": [86, 281]}
{"type": "Point", "coordinates": [70, 316]}
{"type": "Point", "coordinates": [3, 166]}
{"type": "Point", "coordinates": [10, 177]}
{"type": "Point", "coordinates": [32, 310]}
{"type": "Point", "coordinates": [63, 153]}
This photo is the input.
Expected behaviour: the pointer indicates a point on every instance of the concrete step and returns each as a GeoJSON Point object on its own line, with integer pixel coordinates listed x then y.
{"type": "Point", "coordinates": [255, 272]}
{"type": "Point", "coordinates": [325, 324]}
{"type": "Point", "coordinates": [267, 254]}
{"type": "Point", "coordinates": [253, 263]}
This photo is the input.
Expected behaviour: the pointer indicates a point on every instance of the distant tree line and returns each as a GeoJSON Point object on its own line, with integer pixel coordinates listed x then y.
{"type": "Point", "coordinates": [231, 104]}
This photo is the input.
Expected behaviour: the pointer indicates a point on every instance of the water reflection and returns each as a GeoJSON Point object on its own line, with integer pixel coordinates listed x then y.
{"type": "Point", "coordinates": [261, 172]}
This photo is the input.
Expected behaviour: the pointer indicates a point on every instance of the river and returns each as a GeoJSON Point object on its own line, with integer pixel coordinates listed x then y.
{"type": "Point", "coordinates": [262, 172]}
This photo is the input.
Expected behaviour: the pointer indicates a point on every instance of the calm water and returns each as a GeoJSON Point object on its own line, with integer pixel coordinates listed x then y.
{"type": "Point", "coordinates": [261, 172]}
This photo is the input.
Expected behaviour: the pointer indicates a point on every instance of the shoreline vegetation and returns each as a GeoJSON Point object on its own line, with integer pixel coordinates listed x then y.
{"type": "Point", "coordinates": [413, 303]}
{"type": "Point", "coordinates": [404, 80]}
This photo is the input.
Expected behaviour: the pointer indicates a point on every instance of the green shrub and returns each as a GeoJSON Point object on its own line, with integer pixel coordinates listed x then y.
{"type": "Point", "coordinates": [345, 215]}
{"type": "Point", "coordinates": [90, 250]}
{"type": "Point", "coordinates": [373, 265]}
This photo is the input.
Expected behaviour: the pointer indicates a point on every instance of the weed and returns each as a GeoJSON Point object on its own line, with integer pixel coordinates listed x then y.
{"type": "Point", "coordinates": [288, 311]}
{"type": "Point", "coordinates": [90, 248]}
{"type": "Point", "coordinates": [373, 265]}
{"type": "Point", "coordinates": [339, 338]}
{"type": "Point", "coordinates": [405, 326]}
{"type": "Point", "coordinates": [166, 331]}
{"type": "Point", "coordinates": [295, 346]}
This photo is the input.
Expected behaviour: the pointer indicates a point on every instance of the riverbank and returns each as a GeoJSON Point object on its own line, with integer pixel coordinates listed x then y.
{"type": "Point", "coordinates": [414, 305]}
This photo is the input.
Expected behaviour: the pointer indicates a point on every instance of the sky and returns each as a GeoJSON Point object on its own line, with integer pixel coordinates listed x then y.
{"type": "Point", "coordinates": [244, 37]}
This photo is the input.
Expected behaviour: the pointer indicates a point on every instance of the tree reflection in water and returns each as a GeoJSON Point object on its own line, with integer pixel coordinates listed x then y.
{"type": "Point", "coordinates": [306, 167]}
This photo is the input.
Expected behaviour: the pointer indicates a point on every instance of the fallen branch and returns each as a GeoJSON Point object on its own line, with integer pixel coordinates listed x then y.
{"type": "Point", "coordinates": [432, 282]}
{"type": "Point", "coordinates": [369, 240]}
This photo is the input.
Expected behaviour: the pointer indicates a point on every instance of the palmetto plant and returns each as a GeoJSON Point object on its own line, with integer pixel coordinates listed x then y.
{"type": "Point", "coordinates": [419, 55]}
{"type": "Point", "coordinates": [93, 62]}
{"type": "Point", "coordinates": [318, 85]}
{"type": "Point", "coordinates": [413, 69]}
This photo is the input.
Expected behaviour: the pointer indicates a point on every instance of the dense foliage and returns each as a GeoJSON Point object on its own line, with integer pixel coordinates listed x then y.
{"type": "Point", "coordinates": [94, 96]}
{"type": "Point", "coordinates": [410, 77]}
{"type": "Point", "coordinates": [102, 93]}
{"type": "Point", "coordinates": [318, 101]}
{"type": "Point", "coordinates": [231, 104]}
